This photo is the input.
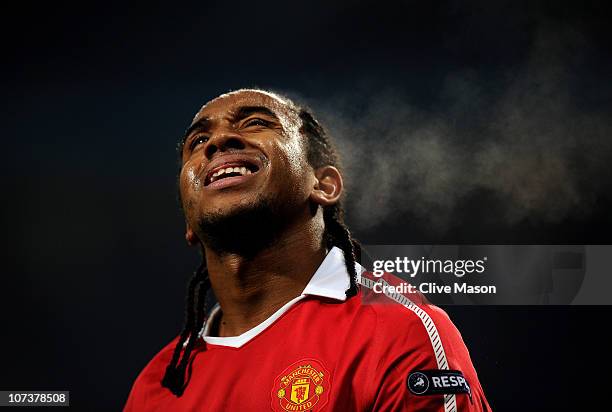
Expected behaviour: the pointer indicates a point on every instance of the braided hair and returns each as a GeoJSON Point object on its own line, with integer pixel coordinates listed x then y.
{"type": "Point", "coordinates": [320, 152]}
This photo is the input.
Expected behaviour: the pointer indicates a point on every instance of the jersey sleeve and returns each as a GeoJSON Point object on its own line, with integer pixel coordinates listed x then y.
{"type": "Point", "coordinates": [393, 393]}
{"type": "Point", "coordinates": [146, 389]}
{"type": "Point", "coordinates": [422, 363]}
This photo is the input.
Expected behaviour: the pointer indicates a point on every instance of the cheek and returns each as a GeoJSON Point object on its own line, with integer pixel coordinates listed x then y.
{"type": "Point", "coordinates": [295, 166]}
{"type": "Point", "coordinates": [295, 154]}
{"type": "Point", "coordinates": [190, 183]}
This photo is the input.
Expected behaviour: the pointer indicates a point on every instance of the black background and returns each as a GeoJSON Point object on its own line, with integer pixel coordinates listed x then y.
{"type": "Point", "coordinates": [95, 97]}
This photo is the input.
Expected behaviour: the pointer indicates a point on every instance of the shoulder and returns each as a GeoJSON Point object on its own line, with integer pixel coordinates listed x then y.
{"type": "Point", "coordinates": [148, 382]}
{"type": "Point", "coordinates": [407, 322]}
{"type": "Point", "coordinates": [401, 308]}
{"type": "Point", "coordinates": [412, 336]}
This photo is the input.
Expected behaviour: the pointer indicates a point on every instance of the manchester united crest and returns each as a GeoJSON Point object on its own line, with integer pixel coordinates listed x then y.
{"type": "Point", "coordinates": [303, 386]}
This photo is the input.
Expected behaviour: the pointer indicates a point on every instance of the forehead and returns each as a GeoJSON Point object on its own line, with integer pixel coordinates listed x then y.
{"type": "Point", "coordinates": [228, 103]}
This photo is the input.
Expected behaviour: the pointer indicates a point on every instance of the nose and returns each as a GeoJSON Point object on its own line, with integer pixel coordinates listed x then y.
{"type": "Point", "coordinates": [222, 142]}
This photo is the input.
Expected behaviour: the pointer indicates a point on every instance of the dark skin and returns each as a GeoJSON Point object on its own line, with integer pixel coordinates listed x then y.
{"type": "Point", "coordinates": [259, 132]}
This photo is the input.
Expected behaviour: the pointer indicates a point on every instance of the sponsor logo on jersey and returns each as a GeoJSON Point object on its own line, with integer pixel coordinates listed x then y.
{"type": "Point", "coordinates": [302, 386]}
{"type": "Point", "coordinates": [435, 381]}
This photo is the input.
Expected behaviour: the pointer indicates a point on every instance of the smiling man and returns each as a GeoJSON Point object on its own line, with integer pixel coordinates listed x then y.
{"type": "Point", "coordinates": [261, 187]}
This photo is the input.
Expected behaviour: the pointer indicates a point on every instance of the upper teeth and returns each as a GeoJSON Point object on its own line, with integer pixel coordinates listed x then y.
{"type": "Point", "coordinates": [242, 170]}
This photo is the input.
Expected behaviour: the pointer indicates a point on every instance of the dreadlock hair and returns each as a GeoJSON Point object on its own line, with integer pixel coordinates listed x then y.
{"type": "Point", "coordinates": [320, 152]}
{"type": "Point", "coordinates": [174, 378]}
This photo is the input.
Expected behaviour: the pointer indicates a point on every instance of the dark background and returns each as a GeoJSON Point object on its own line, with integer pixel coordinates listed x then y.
{"type": "Point", "coordinates": [96, 96]}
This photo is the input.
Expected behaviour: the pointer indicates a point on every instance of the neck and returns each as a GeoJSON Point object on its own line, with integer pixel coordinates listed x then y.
{"type": "Point", "coordinates": [251, 288]}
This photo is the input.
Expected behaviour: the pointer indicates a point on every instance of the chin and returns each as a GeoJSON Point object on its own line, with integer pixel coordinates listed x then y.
{"type": "Point", "coordinates": [218, 228]}
{"type": "Point", "coordinates": [232, 203]}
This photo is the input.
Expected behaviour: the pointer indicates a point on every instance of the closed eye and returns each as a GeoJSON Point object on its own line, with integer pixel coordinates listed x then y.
{"type": "Point", "coordinates": [256, 122]}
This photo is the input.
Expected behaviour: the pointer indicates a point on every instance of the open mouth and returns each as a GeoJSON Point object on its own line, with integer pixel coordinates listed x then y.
{"type": "Point", "coordinates": [227, 170]}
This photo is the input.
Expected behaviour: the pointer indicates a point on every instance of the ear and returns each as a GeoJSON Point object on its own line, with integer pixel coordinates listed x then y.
{"type": "Point", "coordinates": [190, 236]}
{"type": "Point", "coordinates": [328, 186]}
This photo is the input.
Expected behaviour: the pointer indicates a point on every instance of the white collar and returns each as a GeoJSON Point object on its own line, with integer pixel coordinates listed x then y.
{"type": "Point", "coordinates": [331, 280]}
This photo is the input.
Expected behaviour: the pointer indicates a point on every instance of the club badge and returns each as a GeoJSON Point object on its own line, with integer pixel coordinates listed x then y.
{"type": "Point", "coordinates": [302, 386]}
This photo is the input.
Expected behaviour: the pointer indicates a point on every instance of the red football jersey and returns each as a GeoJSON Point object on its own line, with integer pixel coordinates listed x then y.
{"type": "Point", "coordinates": [323, 352]}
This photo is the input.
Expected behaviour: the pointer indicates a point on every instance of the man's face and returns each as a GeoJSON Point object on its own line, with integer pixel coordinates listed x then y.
{"type": "Point", "coordinates": [241, 151]}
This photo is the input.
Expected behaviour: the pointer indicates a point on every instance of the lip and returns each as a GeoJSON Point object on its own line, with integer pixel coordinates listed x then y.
{"type": "Point", "coordinates": [229, 181]}
{"type": "Point", "coordinates": [251, 162]}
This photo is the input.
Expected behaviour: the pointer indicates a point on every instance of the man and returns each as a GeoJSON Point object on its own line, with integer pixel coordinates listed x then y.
{"type": "Point", "coordinates": [293, 331]}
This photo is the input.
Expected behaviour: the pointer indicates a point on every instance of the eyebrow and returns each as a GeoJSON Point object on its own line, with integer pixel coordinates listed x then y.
{"type": "Point", "coordinates": [245, 111]}
{"type": "Point", "coordinates": [240, 113]}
